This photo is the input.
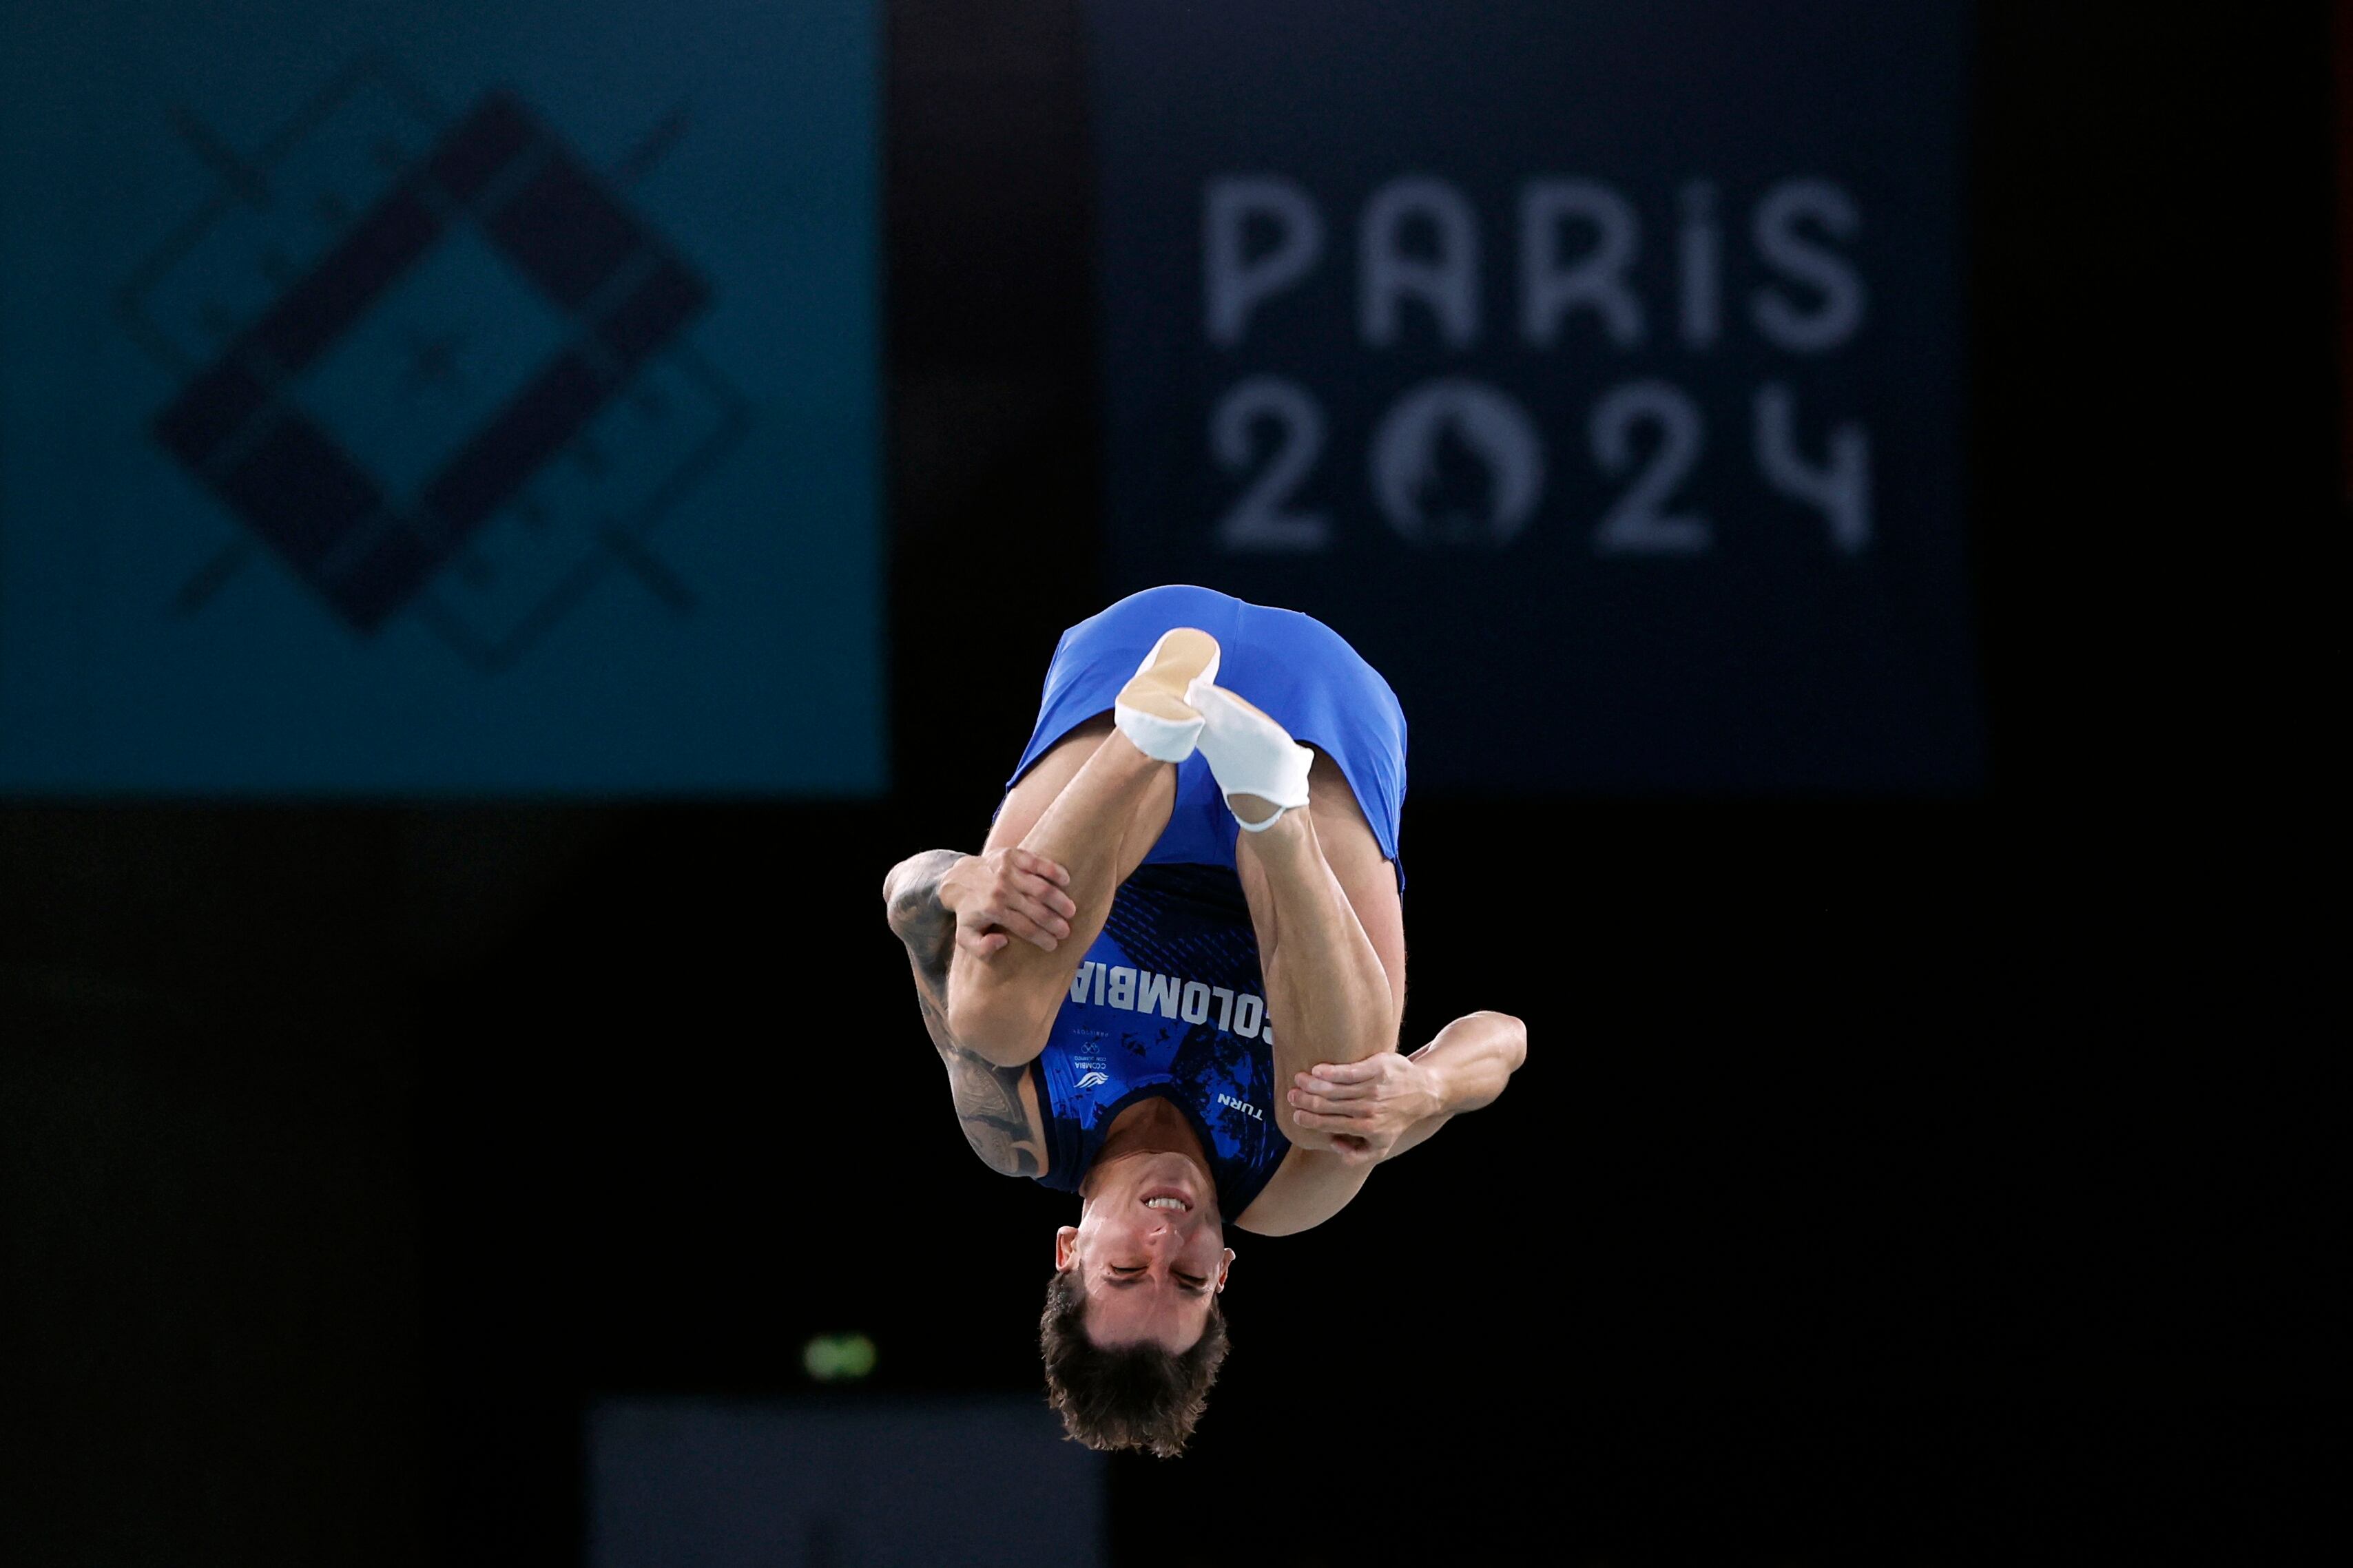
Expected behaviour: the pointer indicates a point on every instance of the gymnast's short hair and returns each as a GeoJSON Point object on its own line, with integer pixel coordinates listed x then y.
{"type": "Point", "coordinates": [1131, 1397]}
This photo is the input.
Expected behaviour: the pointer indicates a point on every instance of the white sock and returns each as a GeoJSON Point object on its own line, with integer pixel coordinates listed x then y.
{"type": "Point", "coordinates": [1151, 710]}
{"type": "Point", "coordinates": [1249, 753]}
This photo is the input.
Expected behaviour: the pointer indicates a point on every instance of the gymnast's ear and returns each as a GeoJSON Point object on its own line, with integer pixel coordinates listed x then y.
{"type": "Point", "coordinates": [1066, 1246]}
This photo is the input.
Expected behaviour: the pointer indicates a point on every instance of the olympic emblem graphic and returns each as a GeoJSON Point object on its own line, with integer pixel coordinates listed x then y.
{"type": "Point", "coordinates": [434, 363]}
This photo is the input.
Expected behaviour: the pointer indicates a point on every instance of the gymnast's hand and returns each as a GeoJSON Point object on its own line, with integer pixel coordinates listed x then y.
{"type": "Point", "coordinates": [1006, 893]}
{"type": "Point", "coordinates": [1362, 1108]}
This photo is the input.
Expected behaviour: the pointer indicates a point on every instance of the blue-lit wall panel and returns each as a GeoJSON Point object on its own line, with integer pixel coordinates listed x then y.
{"type": "Point", "coordinates": [413, 397]}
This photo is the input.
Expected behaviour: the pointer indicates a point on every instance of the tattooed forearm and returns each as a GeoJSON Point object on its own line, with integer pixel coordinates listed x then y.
{"type": "Point", "coordinates": [932, 997]}
{"type": "Point", "coordinates": [989, 1109]}
{"type": "Point", "coordinates": [988, 1103]}
{"type": "Point", "coordinates": [987, 1096]}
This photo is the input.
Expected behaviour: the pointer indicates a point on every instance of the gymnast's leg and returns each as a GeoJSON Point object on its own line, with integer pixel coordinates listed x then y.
{"type": "Point", "coordinates": [1093, 804]}
{"type": "Point", "coordinates": [1331, 928]}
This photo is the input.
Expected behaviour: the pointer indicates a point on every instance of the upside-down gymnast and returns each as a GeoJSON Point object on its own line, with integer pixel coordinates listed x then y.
{"type": "Point", "coordinates": [1173, 980]}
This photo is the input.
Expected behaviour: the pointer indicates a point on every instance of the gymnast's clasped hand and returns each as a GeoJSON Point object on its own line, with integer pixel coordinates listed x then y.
{"type": "Point", "coordinates": [1005, 893]}
{"type": "Point", "coordinates": [1359, 1109]}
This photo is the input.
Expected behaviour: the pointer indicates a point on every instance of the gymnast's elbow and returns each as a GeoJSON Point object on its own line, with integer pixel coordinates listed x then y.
{"type": "Point", "coordinates": [900, 901]}
{"type": "Point", "coordinates": [911, 897]}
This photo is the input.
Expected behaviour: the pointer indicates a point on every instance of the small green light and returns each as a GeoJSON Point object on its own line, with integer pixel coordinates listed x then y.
{"type": "Point", "coordinates": [839, 1358]}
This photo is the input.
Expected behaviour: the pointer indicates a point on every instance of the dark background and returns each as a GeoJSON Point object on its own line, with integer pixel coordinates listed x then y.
{"type": "Point", "coordinates": [1888, 1182]}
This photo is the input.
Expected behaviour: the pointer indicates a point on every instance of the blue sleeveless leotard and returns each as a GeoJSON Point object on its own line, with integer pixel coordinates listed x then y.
{"type": "Point", "coordinates": [1169, 1001]}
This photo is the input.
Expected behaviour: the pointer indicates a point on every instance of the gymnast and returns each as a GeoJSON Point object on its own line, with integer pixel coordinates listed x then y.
{"type": "Point", "coordinates": [1173, 980]}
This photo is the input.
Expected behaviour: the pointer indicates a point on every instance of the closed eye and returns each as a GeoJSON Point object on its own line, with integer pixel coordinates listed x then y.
{"type": "Point", "coordinates": [1132, 1274]}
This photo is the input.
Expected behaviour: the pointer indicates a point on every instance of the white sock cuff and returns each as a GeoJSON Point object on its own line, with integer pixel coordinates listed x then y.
{"type": "Point", "coordinates": [1161, 739]}
{"type": "Point", "coordinates": [1248, 753]}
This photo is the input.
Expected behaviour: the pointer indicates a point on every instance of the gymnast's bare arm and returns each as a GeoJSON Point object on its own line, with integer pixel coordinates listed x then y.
{"type": "Point", "coordinates": [1360, 1114]}
{"type": "Point", "coordinates": [938, 899]}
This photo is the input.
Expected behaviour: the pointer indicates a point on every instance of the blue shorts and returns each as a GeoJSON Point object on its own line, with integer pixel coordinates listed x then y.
{"type": "Point", "coordinates": [1298, 670]}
